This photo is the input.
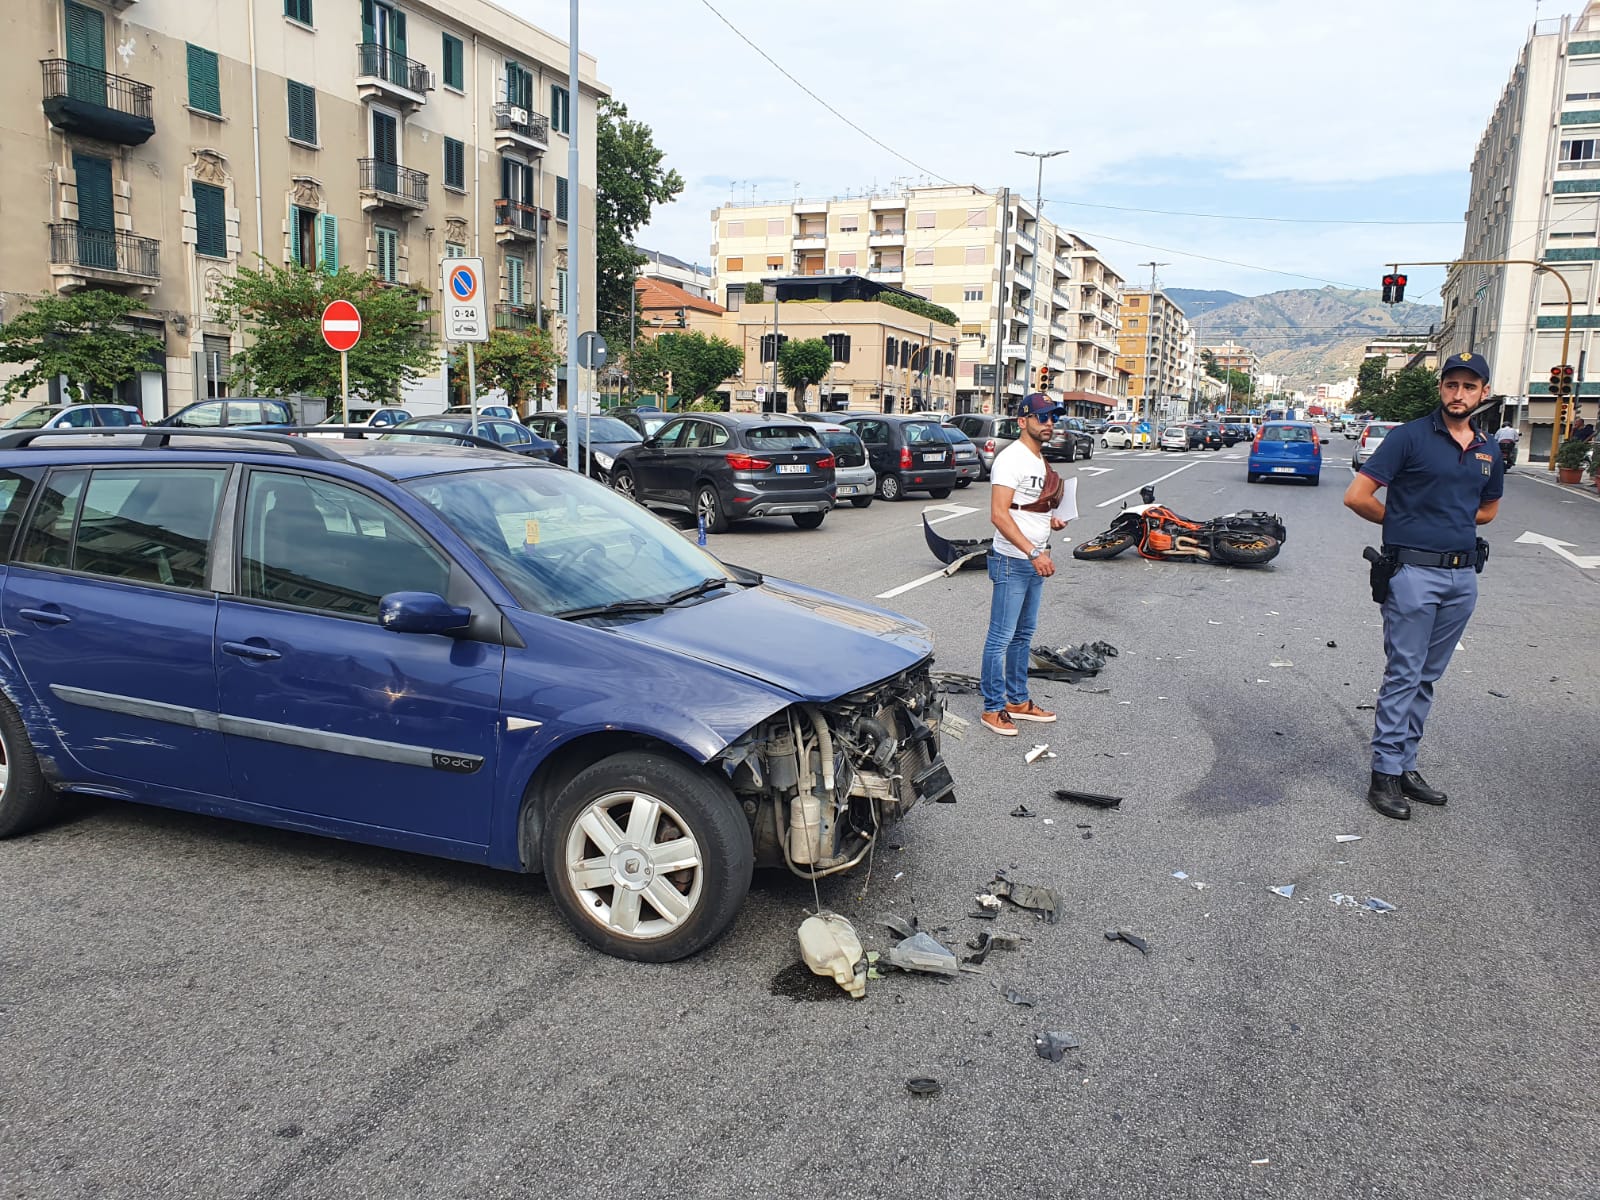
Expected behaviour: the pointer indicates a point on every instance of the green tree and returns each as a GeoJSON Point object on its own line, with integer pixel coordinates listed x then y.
{"type": "Point", "coordinates": [631, 183]}
{"type": "Point", "coordinates": [81, 336]}
{"type": "Point", "coordinates": [803, 363]}
{"type": "Point", "coordinates": [1411, 393]}
{"type": "Point", "coordinates": [754, 293]}
{"type": "Point", "coordinates": [282, 309]}
{"type": "Point", "coordinates": [522, 363]}
{"type": "Point", "coordinates": [687, 365]}
{"type": "Point", "coordinates": [1372, 385]}
{"type": "Point", "coordinates": [1208, 360]}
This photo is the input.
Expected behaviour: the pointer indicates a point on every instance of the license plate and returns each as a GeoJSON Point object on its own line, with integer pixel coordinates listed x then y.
{"type": "Point", "coordinates": [927, 458]}
{"type": "Point", "coordinates": [847, 489]}
{"type": "Point", "coordinates": [1283, 470]}
{"type": "Point", "coordinates": [792, 468]}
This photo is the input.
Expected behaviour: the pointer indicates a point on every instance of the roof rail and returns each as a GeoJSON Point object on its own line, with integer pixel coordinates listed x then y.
{"type": "Point", "coordinates": [151, 437]}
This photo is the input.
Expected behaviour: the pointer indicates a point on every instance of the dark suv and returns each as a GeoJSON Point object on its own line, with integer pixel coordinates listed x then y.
{"type": "Point", "coordinates": [1070, 441]}
{"type": "Point", "coordinates": [726, 467]}
{"type": "Point", "coordinates": [908, 453]}
{"type": "Point", "coordinates": [447, 651]}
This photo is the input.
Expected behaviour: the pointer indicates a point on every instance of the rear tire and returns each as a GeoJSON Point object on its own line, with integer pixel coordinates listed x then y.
{"type": "Point", "coordinates": [809, 520]}
{"type": "Point", "coordinates": [1104, 545]}
{"type": "Point", "coordinates": [622, 482]}
{"type": "Point", "coordinates": [961, 483]}
{"type": "Point", "coordinates": [860, 501]}
{"type": "Point", "coordinates": [709, 505]}
{"type": "Point", "coordinates": [889, 488]}
{"type": "Point", "coordinates": [658, 814]}
{"type": "Point", "coordinates": [939, 493]}
{"type": "Point", "coordinates": [1244, 549]}
{"type": "Point", "coordinates": [1251, 477]}
{"type": "Point", "coordinates": [1315, 480]}
{"type": "Point", "coordinates": [26, 799]}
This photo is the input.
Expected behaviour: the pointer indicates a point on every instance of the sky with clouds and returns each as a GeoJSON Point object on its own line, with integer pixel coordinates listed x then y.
{"type": "Point", "coordinates": [1354, 111]}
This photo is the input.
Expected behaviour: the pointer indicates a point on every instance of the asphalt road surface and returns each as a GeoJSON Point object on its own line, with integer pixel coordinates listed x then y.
{"type": "Point", "coordinates": [195, 1008]}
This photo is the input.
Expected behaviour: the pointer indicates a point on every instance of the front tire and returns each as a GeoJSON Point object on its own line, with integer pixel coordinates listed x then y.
{"type": "Point", "coordinates": [26, 800]}
{"type": "Point", "coordinates": [708, 504]}
{"type": "Point", "coordinates": [889, 488]}
{"type": "Point", "coordinates": [860, 501]}
{"type": "Point", "coordinates": [1104, 545]}
{"type": "Point", "coordinates": [809, 520]}
{"type": "Point", "coordinates": [647, 857]}
{"type": "Point", "coordinates": [1244, 549]}
{"type": "Point", "coordinates": [622, 482]}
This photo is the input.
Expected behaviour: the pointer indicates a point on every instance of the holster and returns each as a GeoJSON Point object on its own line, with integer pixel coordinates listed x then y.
{"type": "Point", "coordinates": [1383, 568]}
{"type": "Point", "coordinates": [1483, 556]}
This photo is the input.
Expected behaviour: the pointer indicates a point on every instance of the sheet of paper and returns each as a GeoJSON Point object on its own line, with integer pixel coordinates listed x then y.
{"type": "Point", "coordinates": [1067, 510]}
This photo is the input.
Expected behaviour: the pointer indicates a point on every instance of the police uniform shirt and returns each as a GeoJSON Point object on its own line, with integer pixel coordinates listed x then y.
{"type": "Point", "coordinates": [1435, 488]}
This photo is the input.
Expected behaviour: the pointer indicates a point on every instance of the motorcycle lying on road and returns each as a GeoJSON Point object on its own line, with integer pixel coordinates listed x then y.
{"type": "Point", "coordinates": [1241, 539]}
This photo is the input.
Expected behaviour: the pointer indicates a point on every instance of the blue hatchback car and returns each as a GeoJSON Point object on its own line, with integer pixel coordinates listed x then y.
{"type": "Point", "coordinates": [1285, 449]}
{"type": "Point", "coordinates": [446, 650]}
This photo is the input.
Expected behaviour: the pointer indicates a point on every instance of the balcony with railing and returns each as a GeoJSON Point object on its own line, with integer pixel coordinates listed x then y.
{"type": "Point", "coordinates": [80, 256]}
{"type": "Point", "coordinates": [385, 74]}
{"type": "Point", "coordinates": [517, 317]}
{"type": "Point", "coordinates": [889, 235]}
{"type": "Point", "coordinates": [389, 185]}
{"type": "Point", "coordinates": [86, 101]}
{"type": "Point", "coordinates": [515, 221]}
{"type": "Point", "coordinates": [517, 128]}
{"type": "Point", "coordinates": [811, 237]}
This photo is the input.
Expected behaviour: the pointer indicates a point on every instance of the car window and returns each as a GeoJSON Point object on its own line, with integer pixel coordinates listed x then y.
{"type": "Point", "coordinates": [149, 524]}
{"type": "Point", "coordinates": [704, 435]}
{"type": "Point", "coordinates": [1007, 427]}
{"type": "Point", "coordinates": [673, 434]}
{"type": "Point", "coordinates": [14, 492]}
{"type": "Point", "coordinates": [847, 448]}
{"type": "Point", "coordinates": [117, 416]}
{"type": "Point", "coordinates": [202, 416]}
{"type": "Point", "coordinates": [1285, 433]}
{"type": "Point", "coordinates": [873, 433]}
{"type": "Point", "coordinates": [322, 546]}
{"type": "Point", "coordinates": [560, 542]}
{"type": "Point", "coordinates": [782, 437]}
{"type": "Point", "coordinates": [389, 416]}
{"type": "Point", "coordinates": [34, 418]}
{"type": "Point", "coordinates": [507, 433]}
{"type": "Point", "coordinates": [245, 412]}
{"type": "Point", "coordinates": [49, 539]}
{"type": "Point", "coordinates": [1376, 432]}
{"type": "Point", "coordinates": [77, 418]}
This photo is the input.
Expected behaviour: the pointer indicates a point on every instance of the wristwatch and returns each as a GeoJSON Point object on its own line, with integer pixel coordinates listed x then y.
{"type": "Point", "coordinates": [1033, 554]}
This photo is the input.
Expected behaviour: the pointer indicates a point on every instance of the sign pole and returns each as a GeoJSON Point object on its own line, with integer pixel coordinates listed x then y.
{"type": "Point", "coordinates": [344, 383]}
{"type": "Point", "coordinates": [472, 383]}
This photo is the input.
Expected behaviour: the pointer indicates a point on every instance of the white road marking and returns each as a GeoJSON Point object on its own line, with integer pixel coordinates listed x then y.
{"type": "Point", "coordinates": [952, 511]}
{"type": "Point", "coordinates": [1135, 490]}
{"type": "Point", "coordinates": [1552, 483]}
{"type": "Point", "coordinates": [1586, 561]}
{"type": "Point", "coordinates": [915, 583]}
{"type": "Point", "coordinates": [1094, 470]}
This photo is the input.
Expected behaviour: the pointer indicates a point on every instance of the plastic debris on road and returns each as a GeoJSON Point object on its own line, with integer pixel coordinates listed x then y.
{"type": "Point", "coordinates": [1015, 997]}
{"type": "Point", "coordinates": [1280, 662]}
{"type": "Point", "coordinates": [923, 1085]}
{"type": "Point", "coordinates": [923, 952]}
{"type": "Point", "coordinates": [986, 941]}
{"type": "Point", "coordinates": [1347, 837]}
{"type": "Point", "coordinates": [1180, 874]}
{"type": "Point", "coordinates": [896, 924]}
{"type": "Point", "coordinates": [1022, 810]}
{"type": "Point", "coordinates": [829, 946]}
{"type": "Point", "coordinates": [1286, 891]}
{"type": "Point", "coordinates": [1366, 706]}
{"type": "Point", "coordinates": [1042, 750]}
{"type": "Point", "coordinates": [1053, 1045]}
{"type": "Point", "coordinates": [1333, 645]}
{"type": "Point", "coordinates": [954, 726]}
{"type": "Point", "coordinates": [1127, 935]}
{"type": "Point", "coordinates": [1498, 695]}
{"type": "Point", "coordinates": [1377, 905]}
{"type": "Point", "coordinates": [1093, 799]}
{"type": "Point", "coordinates": [1042, 900]}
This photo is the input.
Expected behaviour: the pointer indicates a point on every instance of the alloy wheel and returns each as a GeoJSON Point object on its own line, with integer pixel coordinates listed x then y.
{"type": "Point", "coordinates": [635, 866]}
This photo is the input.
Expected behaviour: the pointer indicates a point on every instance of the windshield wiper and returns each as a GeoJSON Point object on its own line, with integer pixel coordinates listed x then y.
{"type": "Point", "coordinates": [624, 607]}
{"type": "Point", "coordinates": [699, 589]}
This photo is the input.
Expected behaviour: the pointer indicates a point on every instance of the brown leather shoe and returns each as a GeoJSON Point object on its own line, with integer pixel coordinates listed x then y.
{"type": "Point", "coordinates": [999, 722]}
{"type": "Point", "coordinates": [1030, 712]}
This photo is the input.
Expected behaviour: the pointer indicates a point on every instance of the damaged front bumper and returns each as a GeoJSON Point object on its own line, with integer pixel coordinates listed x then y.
{"type": "Point", "coordinates": [820, 782]}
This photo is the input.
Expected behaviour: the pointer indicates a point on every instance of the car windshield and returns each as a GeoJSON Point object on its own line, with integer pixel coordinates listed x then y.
{"type": "Point", "coordinates": [560, 542]}
{"type": "Point", "coordinates": [604, 429]}
{"type": "Point", "coordinates": [846, 447]}
{"type": "Point", "coordinates": [782, 437]}
{"type": "Point", "coordinates": [34, 418]}
{"type": "Point", "coordinates": [1376, 432]}
{"type": "Point", "coordinates": [1007, 428]}
{"type": "Point", "coordinates": [920, 433]}
{"type": "Point", "coordinates": [1286, 433]}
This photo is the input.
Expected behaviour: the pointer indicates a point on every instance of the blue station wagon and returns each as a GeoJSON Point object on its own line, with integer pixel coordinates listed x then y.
{"type": "Point", "coordinates": [1285, 449]}
{"type": "Point", "coordinates": [447, 650]}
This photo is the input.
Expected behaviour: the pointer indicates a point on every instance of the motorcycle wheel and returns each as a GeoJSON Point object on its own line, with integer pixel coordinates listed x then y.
{"type": "Point", "coordinates": [1105, 545]}
{"type": "Point", "coordinates": [1244, 549]}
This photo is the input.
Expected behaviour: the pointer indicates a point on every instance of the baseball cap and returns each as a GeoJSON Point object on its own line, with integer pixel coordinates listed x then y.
{"type": "Point", "coordinates": [1476, 363]}
{"type": "Point", "coordinates": [1039, 404]}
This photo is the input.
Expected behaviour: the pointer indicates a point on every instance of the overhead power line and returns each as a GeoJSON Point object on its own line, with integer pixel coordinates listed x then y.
{"type": "Point", "coordinates": [1170, 212]}
{"type": "Point", "coordinates": [780, 69]}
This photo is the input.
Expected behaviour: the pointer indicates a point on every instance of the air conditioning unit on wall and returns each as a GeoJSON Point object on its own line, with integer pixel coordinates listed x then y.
{"type": "Point", "coordinates": [519, 116]}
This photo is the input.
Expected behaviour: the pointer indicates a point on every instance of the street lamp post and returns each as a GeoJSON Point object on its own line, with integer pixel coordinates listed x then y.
{"type": "Point", "coordinates": [1033, 289]}
{"type": "Point", "coordinates": [1150, 342]}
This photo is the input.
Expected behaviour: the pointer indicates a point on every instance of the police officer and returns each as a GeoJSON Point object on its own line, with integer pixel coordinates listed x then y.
{"type": "Point", "coordinates": [1443, 480]}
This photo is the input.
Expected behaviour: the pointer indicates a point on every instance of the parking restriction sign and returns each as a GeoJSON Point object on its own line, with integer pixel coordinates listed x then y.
{"type": "Point", "coordinates": [466, 309]}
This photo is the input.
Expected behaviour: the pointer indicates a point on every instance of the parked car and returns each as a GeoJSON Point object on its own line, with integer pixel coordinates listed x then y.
{"type": "Point", "coordinates": [1117, 437]}
{"type": "Point", "coordinates": [989, 433]}
{"type": "Point", "coordinates": [853, 475]}
{"type": "Point", "coordinates": [386, 417]}
{"type": "Point", "coordinates": [445, 651]}
{"type": "Point", "coordinates": [1069, 441]}
{"type": "Point", "coordinates": [1371, 434]}
{"type": "Point", "coordinates": [1205, 435]}
{"type": "Point", "coordinates": [1233, 433]}
{"type": "Point", "coordinates": [508, 435]}
{"type": "Point", "coordinates": [1286, 448]}
{"type": "Point", "coordinates": [503, 411]}
{"type": "Point", "coordinates": [76, 416]}
{"type": "Point", "coordinates": [968, 462]}
{"type": "Point", "coordinates": [1096, 427]}
{"type": "Point", "coordinates": [726, 467]}
{"type": "Point", "coordinates": [257, 411]}
{"type": "Point", "coordinates": [605, 436]}
{"type": "Point", "coordinates": [1174, 437]}
{"type": "Point", "coordinates": [643, 421]}
{"type": "Point", "coordinates": [908, 453]}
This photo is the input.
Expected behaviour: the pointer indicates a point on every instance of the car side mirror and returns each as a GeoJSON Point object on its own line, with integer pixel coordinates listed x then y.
{"type": "Point", "coordinates": [1324, 441]}
{"type": "Point", "coordinates": [649, 443]}
{"type": "Point", "coordinates": [421, 612]}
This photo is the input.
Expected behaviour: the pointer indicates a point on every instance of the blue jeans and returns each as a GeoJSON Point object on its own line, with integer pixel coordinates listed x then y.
{"type": "Point", "coordinates": [1013, 616]}
{"type": "Point", "coordinates": [1423, 618]}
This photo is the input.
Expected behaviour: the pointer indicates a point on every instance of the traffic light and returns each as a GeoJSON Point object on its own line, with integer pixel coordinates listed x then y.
{"type": "Point", "coordinates": [1388, 289]}
{"type": "Point", "coordinates": [1399, 289]}
{"type": "Point", "coordinates": [1561, 385]}
{"type": "Point", "coordinates": [1044, 379]}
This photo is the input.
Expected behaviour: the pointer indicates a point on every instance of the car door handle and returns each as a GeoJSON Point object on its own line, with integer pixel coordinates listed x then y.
{"type": "Point", "coordinates": [250, 650]}
{"type": "Point", "coordinates": [44, 616]}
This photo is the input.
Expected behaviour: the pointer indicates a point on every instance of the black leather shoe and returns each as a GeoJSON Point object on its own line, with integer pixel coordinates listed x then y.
{"type": "Point", "coordinates": [1414, 787]}
{"type": "Point", "coordinates": [1385, 796]}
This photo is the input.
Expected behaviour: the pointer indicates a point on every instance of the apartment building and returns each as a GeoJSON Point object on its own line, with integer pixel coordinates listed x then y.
{"type": "Point", "coordinates": [885, 359]}
{"type": "Point", "coordinates": [986, 256]}
{"type": "Point", "coordinates": [1157, 347]}
{"type": "Point", "coordinates": [162, 144]}
{"type": "Point", "coordinates": [691, 277]}
{"type": "Point", "coordinates": [1230, 356]}
{"type": "Point", "coordinates": [1535, 194]}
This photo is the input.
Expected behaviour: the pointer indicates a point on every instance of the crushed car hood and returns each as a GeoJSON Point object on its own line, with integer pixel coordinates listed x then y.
{"type": "Point", "coordinates": [812, 643]}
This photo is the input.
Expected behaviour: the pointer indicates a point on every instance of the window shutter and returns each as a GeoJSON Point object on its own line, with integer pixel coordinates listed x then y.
{"type": "Point", "coordinates": [561, 198]}
{"type": "Point", "coordinates": [86, 36]}
{"type": "Point", "coordinates": [294, 235]}
{"type": "Point", "coordinates": [387, 253]}
{"type": "Point", "coordinates": [455, 163]}
{"type": "Point", "coordinates": [328, 243]}
{"type": "Point", "coordinates": [454, 66]}
{"type": "Point", "coordinates": [302, 112]}
{"type": "Point", "coordinates": [561, 289]}
{"type": "Point", "coordinates": [369, 22]}
{"type": "Point", "coordinates": [205, 90]}
{"type": "Point", "coordinates": [399, 27]}
{"type": "Point", "coordinates": [514, 280]}
{"type": "Point", "coordinates": [210, 221]}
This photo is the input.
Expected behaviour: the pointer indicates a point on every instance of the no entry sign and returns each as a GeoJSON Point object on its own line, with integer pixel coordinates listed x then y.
{"type": "Point", "coordinates": [341, 325]}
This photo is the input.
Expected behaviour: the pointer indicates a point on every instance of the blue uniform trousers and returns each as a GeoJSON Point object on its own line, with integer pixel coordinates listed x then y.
{"type": "Point", "coordinates": [1423, 619]}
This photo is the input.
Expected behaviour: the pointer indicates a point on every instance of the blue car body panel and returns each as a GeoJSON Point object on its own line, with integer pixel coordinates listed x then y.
{"type": "Point", "coordinates": [1270, 456]}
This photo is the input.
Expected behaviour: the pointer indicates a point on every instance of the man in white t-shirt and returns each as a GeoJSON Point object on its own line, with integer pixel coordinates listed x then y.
{"type": "Point", "coordinates": [1018, 566]}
